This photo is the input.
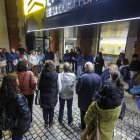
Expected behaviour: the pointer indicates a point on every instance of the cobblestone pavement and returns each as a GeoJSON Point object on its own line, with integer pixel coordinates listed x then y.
{"type": "Point", "coordinates": [126, 129]}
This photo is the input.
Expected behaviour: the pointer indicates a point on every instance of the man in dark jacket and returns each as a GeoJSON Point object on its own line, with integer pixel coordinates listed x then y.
{"type": "Point", "coordinates": [86, 87]}
{"type": "Point", "coordinates": [13, 57]}
{"type": "Point", "coordinates": [49, 55]}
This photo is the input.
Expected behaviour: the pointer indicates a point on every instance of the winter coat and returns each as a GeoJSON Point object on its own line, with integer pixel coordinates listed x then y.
{"type": "Point", "coordinates": [124, 70]}
{"type": "Point", "coordinates": [134, 65]}
{"type": "Point", "coordinates": [79, 60]}
{"type": "Point", "coordinates": [68, 81]}
{"type": "Point", "coordinates": [86, 87]}
{"type": "Point", "coordinates": [118, 63]}
{"type": "Point", "coordinates": [99, 63]}
{"type": "Point", "coordinates": [105, 75]}
{"type": "Point", "coordinates": [27, 82]}
{"type": "Point", "coordinates": [41, 58]}
{"type": "Point", "coordinates": [67, 57]}
{"type": "Point", "coordinates": [89, 58]}
{"type": "Point", "coordinates": [107, 119]}
{"type": "Point", "coordinates": [49, 56]}
{"type": "Point", "coordinates": [13, 56]}
{"type": "Point", "coordinates": [19, 110]}
{"type": "Point", "coordinates": [49, 88]}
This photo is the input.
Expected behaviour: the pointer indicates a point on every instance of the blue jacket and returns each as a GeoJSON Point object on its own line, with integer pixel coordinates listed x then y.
{"type": "Point", "coordinates": [13, 56]}
{"type": "Point", "coordinates": [67, 57]}
{"type": "Point", "coordinates": [105, 75]}
{"type": "Point", "coordinates": [87, 85]}
{"type": "Point", "coordinates": [79, 60]}
{"type": "Point", "coordinates": [89, 58]}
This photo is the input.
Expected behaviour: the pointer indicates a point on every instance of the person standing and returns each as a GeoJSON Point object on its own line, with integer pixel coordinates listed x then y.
{"type": "Point", "coordinates": [3, 63]}
{"type": "Point", "coordinates": [66, 57]}
{"type": "Point", "coordinates": [106, 108]}
{"type": "Point", "coordinates": [87, 85]}
{"type": "Point", "coordinates": [79, 63]}
{"type": "Point", "coordinates": [15, 104]}
{"type": "Point", "coordinates": [13, 59]}
{"type": "Point", "coordinates": [119, 60]}
{"type": "Point", "coordinates": [49, 86]}
{"type": "Point", "coordinates": [68, 80]}
{"type": "Point", "coordinates": [27, 83]}
{"type": "Point", "coordinates": [49, 55]}
{"type": "Point", "coordinates": [99, 63]}
{"type": "Point", "coordinates": [134, 68]}
{"type": "Point", "coordinates": [41, 57]}
{"type": "Point", "coordinates": [33, 60]}
{"type": "Point", "coordinates": [72, 59]}
{"type": "Point", "coordinates": [57, 61]}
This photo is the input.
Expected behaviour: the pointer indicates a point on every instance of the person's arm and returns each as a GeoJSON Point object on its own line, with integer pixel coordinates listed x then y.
{"type": "Point", "coordinates": [23, 107]}
{"type": "Point", "coordinates": [90, 114]}
{"type": "Point", "coordinates": [33, 81]}
{"type": "Point", "coordinates": [78, 86]}
{"type": "Point", "coordinates": [59, 84]}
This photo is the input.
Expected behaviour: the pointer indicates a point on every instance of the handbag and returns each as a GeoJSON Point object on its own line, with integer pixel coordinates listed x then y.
{"type": "Point", "coordinates": [91, 132]}
{"type": "Point", "coordinates": [37, 97]}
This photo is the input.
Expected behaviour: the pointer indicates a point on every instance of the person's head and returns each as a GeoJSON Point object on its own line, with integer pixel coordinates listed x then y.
{"type": "Point", "coordinates": [22, 66]}
{"type": "Point", "coordinates": [113, 67]}
{"type": "Point", "coordinates": [78, 51]}
{"type": "Point", "coordinates": [89, 66]}
{"type": "Point", "coordinates": [67, 67]}
{"type": "Point", "coordinates": [9, 87]}
{"type": "Point", "coordinates": [13, 50]}
{"type": "Point", "coordinates": [100, 54]}
{"type": "Point", "coordinates": [108, 97]}
{"type": "Point", "coordinates": [4, 50]}
{"type": "Point", "coordinates": [135, 57]}
{"type": "Point", "coordinates": [67, 51]}
{"type": "Point", "coordinates": [108, 64]}
{"type": "Point", "coordinates": [33, 52]}
{"type": "Point", "coordinates": [121, 56]}
{"type": "Point", "coordinates": [124, 61]}
{"type": "Point", "coordinates": [49, 66]}
{"type": "Point", "coordinates": [116, 78]}
{"type": "Point", "coordinates": [71, 50]}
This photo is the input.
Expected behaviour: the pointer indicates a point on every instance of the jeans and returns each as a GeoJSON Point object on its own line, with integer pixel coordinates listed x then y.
{"type": "Point", "coordinates": [17, 137]}
{"type": "Point", "coordinates": [30, 99]}
{"type": "Point", "coordinates": [69, 109]}
{"type": "Point", "coordinates": [83, 113]}
{"type": "Point", "coordinates": [79, 71]}
{"type": "Point", "coordinates": [40, 67]}
{"type": "Point", "coordinates": [48, 115]}
{"type": "Point", "coordinates": [131, 81]}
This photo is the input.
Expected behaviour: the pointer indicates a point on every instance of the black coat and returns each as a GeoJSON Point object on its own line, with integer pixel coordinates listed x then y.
{"type": "Point", "coordinates": [124, 70]}
{"type": "Point", "coordinates": [49, 56]}
{"type": "Point", "coordinates": [48, 89]}
{"type": "Point", "coordinates": [20, 113]}
{"type": "Point", "coordinates": [86, 87]}
{"type": "Point", "coordinates": [99, 63]}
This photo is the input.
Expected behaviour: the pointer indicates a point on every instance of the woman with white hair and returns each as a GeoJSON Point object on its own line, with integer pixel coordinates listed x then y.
{"type": "Point", "coordinates": [68, 80]}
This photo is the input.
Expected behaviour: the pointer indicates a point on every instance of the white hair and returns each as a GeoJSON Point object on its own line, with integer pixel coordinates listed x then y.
{"type": "Point", "coordinates": [89, 66]}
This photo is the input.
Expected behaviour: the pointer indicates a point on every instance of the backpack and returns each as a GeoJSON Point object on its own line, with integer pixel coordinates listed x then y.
{"type": "Point", "coordinates": [6, 120]}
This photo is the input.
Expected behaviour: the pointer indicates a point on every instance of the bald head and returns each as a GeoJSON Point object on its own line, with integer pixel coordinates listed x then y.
{"type": "Point", "coordinates": [88, 66]}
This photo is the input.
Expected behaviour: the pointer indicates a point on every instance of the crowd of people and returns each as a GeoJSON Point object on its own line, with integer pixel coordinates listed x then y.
{"type": "Point", "coordinates": [99, 87]}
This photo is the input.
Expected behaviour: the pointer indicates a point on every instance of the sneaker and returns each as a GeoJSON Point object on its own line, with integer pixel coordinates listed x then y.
{"type": "Point", "coordinates": [82, 128]}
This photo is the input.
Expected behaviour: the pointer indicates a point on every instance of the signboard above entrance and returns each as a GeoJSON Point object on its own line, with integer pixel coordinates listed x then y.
{"type": "Point", "coordinates": [55, 7]}
{"type": "Point", "coordinates": [64, 13]}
